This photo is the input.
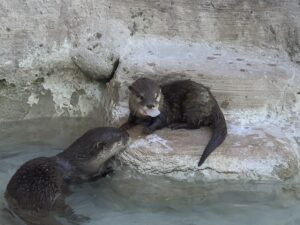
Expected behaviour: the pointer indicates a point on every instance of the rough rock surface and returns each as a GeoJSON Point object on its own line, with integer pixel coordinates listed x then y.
{"type": "Point", "coordinates": [255, 89]}
{"type": "Point", "coordinates": [247, 154]}
{"type": "Point", "coordinates": [97, 64]}
{"type": "Point", "coordinates": [248, 52]}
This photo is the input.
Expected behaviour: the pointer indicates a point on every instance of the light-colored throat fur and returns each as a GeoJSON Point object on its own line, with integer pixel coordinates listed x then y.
{"type": "Point", "coordinates": [137, 109]}
{"type": "Point", "coordinates": [103, 156]}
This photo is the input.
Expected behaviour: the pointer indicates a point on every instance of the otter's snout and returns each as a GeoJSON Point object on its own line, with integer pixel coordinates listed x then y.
{"type": "Point", "coordinates": [150, 106]}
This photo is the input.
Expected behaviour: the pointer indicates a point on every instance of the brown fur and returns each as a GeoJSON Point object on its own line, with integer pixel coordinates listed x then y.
{"type": "Point", "coordinates": [182, 104]}
{"type": "Point", "coordinates": [39, 186]}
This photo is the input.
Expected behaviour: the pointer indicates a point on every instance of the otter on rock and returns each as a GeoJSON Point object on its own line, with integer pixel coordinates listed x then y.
{"type": "Point", "coordinates": [39, 186]}
{"type": "Point", "coordinates": [178, 104]}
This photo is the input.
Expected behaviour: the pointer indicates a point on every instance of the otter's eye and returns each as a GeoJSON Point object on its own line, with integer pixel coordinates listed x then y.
{"type": "Point", "coordinates": [141, 97]}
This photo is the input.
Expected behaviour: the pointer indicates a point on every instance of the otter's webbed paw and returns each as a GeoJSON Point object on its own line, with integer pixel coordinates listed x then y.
{"type": "Point", "coordinates": [66, 211]}
{"type": "Point", "coordinates": [147, 130]}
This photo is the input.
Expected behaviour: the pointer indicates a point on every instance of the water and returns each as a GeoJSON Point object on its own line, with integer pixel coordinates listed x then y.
{"type": "Point", "coordinates": [131, 199]}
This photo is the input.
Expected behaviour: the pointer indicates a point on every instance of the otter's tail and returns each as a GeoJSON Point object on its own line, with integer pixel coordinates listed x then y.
{"type": "Point", "coordinates": [218, 136]}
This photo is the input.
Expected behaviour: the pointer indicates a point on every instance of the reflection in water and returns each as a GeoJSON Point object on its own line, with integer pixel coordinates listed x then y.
{"type": "Point", "coordinates": [127, 198]}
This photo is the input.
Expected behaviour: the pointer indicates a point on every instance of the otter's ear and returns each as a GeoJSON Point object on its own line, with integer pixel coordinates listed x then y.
{"type": "Point", "coordinates": [132, 90]}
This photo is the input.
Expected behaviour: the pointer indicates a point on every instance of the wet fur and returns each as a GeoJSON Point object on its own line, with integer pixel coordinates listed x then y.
{"type": "Point", "coordinates": [182, 104]}
{"type": "Point", "coordinates": [39, 186]}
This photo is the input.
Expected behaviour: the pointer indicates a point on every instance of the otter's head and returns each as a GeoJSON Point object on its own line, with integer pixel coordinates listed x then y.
{"type": "Point", "coordinates": [112, 140]}
{"type": "Point", "coordinates": [145, 97]}
{"type": "Point", "coordinates": [96, 145]}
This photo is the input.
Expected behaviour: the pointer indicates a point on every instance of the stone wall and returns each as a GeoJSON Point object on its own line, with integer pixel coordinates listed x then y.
{"type": "Point", "coordinates": [39, 38]}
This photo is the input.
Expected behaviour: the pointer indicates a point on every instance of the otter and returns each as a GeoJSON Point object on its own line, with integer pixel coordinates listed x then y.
{"type": "Point", "coordinates": [178, 104]}
{"type": "Point", "coordinates": [38, 188]}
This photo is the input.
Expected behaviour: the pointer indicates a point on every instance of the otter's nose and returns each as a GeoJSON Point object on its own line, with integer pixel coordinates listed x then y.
{"type": "Point", "coordinates": [150, 106]}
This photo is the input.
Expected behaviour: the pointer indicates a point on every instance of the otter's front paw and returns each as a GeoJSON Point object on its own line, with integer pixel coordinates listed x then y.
{"type": "Point", "coordinates": [125, 126]}
{"type": "Point", "coordinates": [147, 130]}
{"type": "Point", "coordinates": [175, 126]}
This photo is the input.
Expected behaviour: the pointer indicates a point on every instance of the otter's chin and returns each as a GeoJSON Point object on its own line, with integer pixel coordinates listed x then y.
{"type": "Point", "coordinates": [152, 112]}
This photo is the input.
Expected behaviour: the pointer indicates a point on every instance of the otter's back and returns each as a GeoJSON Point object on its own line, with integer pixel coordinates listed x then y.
{"type": "Point", "coordinates": [176, 91]}
{"type": "Point", "coordinates": [35, 185]}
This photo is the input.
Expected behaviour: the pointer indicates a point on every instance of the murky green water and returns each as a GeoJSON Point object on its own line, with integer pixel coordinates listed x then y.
{"type": "Point", "coordinates": [131, 199]}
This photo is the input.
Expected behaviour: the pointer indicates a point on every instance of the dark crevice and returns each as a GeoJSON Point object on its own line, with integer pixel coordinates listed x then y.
{"type": "Point", "coordinates": [115, 67]}
{"type": "Point", "coordinates": [175, 170]}
{"type": "Point", "coordinates": [220, 172]}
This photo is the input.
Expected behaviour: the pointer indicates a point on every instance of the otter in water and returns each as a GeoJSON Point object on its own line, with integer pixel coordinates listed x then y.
{"type": "Point", "coordinates": [39, 186]}
{"type": "Point", "coordinates": [178, 104]}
